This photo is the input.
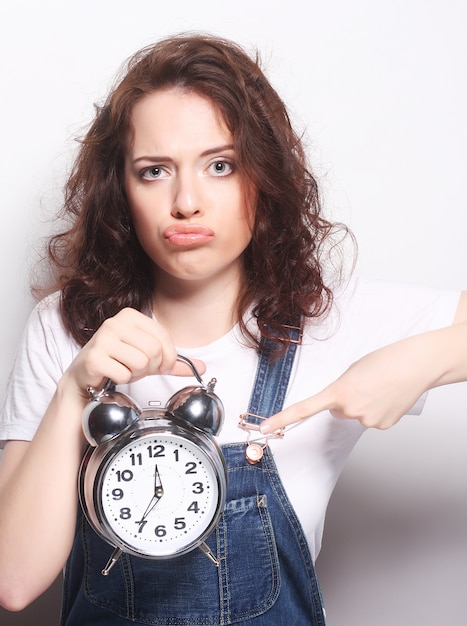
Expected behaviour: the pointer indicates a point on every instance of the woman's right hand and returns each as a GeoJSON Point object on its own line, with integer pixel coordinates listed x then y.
{"type": "Point", "coordinates": [126, 347]}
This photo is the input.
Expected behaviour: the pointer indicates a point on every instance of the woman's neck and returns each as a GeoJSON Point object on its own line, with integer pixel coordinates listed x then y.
{"type": "Point", "coordinates": [197, 314]}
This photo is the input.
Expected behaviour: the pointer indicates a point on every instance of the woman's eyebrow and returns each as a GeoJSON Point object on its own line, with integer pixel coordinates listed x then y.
{"type": "Point", "coordinates": [222, 148]}
{"type": "Point", "coordinates": [167, 159]}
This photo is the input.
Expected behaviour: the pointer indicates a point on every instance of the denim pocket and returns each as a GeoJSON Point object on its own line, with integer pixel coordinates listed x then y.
{"type": "Point", "coordinates": [250, 572]}
{"type": "Point", "coordinates": [190, 589]}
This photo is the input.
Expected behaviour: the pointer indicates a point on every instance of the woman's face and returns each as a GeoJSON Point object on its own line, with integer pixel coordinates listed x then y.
{"type": "Point", "coordinates": [186, 196]}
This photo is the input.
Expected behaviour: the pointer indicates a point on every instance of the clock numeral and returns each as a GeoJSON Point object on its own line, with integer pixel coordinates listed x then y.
{"type": "Point", "coordinates": [198, 487]}
{"type": "Point", "coordinates": [142, 523]}
{"type": "Point", "coordinates": [156, 451]}
{"type": "Point", "coordinates": [125, 513]}
{"type": "Point", "coordinates": [136, 459]}
{"type": "Point", "coordinates": [179, 523]}
{"type": "Point", "coordinates": [176, 454]}
{"type": "Point", "coordinates": [190, 468]}
{"type": "Point", "coordinates": [117, 494]}
{"type": "Point", "coordinates": [160, 531]}
{"type": "Point", "coordinates": [126, 475]}
{"type": "Point", "coordinates": [194, 507]}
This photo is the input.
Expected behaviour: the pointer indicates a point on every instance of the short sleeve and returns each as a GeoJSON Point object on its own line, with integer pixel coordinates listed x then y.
{"type": "Point", "coordinates": [44, 353]}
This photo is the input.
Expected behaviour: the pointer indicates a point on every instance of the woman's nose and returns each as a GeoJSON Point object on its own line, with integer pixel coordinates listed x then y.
{"type": "Point", "coordinates": [186, 201]}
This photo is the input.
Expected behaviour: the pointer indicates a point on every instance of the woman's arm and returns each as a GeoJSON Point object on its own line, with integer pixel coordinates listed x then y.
{"type": "Point", "coordinates": [382, 386]}
{"type": "Point", "coordinates": [38, 480]}
{"type": "Point", "coordinates": [38, 502]}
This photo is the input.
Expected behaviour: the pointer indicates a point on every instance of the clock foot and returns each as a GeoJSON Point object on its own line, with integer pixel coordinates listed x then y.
{"type": "Point", "coordinates": [204, 548]}
{"type": "Point", "coordinates": [111, 562]}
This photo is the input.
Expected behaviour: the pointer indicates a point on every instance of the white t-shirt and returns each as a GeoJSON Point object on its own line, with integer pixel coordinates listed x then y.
{"type": "Point", "coordinates": [366, 315]}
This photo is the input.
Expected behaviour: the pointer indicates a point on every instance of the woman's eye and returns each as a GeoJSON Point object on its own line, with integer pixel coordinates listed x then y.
{"type": "Point", "coordinates": [221, 168]}
{"type": "Point", "coordinates": [153, 173]}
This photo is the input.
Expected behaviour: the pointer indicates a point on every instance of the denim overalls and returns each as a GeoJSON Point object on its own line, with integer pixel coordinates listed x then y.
{"type": "Point", "coordinates": [265, 577]}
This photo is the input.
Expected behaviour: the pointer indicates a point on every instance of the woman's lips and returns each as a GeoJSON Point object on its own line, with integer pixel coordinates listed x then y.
{"type": "Point", "coordinates": [187, 235]}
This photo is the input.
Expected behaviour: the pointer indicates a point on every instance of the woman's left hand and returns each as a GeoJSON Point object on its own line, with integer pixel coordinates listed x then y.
{"type": "Point", "coordinates": [381, 387]}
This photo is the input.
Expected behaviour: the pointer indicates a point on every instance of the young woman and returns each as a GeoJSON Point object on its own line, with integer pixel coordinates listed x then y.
{"type": "Point", "coordinates": [196, 229]}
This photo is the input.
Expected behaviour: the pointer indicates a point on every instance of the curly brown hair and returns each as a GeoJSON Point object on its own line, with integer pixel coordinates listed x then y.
{"type": "Point", "coordinates": [98, 263]}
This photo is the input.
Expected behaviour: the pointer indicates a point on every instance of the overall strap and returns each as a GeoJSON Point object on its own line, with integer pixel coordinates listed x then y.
{"type": "Point", "coordinates": [272, 377]}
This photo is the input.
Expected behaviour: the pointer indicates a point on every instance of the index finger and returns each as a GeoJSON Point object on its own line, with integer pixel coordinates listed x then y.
{"type": "Point", "coordinates": [296, 413]}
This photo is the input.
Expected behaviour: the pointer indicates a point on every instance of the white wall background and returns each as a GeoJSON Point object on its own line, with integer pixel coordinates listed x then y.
{"type": "Point", "coordinates": [381, 89]}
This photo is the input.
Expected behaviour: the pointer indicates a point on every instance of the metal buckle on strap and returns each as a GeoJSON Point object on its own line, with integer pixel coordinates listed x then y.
{"type": "Point", "coordinates": [255, 447]}
{"type": "Point", "coordinates": [299, 331]}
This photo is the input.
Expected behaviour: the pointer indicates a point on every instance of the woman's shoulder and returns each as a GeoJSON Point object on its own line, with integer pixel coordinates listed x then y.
{"type": "Point", "coordinates": [387, 309]}
{"type": "Point", "coordinates": [46, 311]}
{"type": "Point", "coordinates": [45, 319]}
{"type": "Point", "coordinates": [394, 298]}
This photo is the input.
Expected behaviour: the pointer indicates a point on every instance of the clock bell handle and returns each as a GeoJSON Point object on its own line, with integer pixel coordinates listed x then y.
{"type": "Point", "coordinates": [192, 365]}
{"type": "Point", "coordinates": [107, 386]}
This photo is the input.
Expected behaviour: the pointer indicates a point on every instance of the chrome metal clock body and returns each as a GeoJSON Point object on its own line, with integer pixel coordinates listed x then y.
{"type": "Point", "coordinates": [153, 482]}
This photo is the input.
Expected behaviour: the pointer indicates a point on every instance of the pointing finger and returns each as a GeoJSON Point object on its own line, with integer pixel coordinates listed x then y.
{"type": "Point", "coordinates": [295, 413]}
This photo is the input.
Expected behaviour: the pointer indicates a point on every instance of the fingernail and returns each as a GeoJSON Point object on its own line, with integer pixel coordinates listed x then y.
{"type": "Point", "coordinates": [265, 428]}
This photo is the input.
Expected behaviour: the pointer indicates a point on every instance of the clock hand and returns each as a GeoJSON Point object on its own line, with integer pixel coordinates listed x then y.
{"type": "Point", "coordinates": [158, 488]}
{"type": "Point", "coordinates": [158, 493]}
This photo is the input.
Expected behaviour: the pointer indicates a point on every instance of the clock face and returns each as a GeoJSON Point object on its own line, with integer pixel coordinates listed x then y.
{"type": "Point", "coordinates": [159, 495]}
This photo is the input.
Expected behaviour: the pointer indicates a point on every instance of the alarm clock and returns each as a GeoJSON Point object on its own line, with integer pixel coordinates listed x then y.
{"type": "Point", "coordinates": [153, 482]}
